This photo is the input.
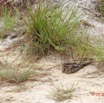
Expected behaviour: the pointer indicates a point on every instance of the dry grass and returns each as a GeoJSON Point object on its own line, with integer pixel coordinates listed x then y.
{"type": "Point", "coordinates": [15, 75]}
{"type": "Point", "coordinates": [62, 93]}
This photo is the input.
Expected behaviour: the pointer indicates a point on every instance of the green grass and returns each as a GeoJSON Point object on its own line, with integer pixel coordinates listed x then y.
{"type": "Point", "coordinates": [53, 28]}
{"type": "Point", "coordinates": [9, 21]}
{"type": "Point", "coordinates": [57, 29]}
{"type": "Point", "coordinates": [50, 29]}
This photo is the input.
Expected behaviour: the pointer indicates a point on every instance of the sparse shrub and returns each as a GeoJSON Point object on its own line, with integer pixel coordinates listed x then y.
{"type": "Point", "coordinates": [51, 28]}
{"type": "Point", "coordinates": [62, 93]}
{"type": "Point", "coordinates": [9, 21]}
{"type": "Point", "coordinates": [57, 29]}
{"type": "Point", "coordinates": [10, 74]}
{"type": "Point", "coordinates": [24, 75]}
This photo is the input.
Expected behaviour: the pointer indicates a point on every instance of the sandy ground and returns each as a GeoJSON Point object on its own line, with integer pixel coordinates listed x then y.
{"type": "Point", "coordinates": [85, 82]}
{"type": "Point", "coordinates": [88, 82]}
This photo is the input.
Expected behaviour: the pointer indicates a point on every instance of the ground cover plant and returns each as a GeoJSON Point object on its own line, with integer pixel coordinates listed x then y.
{"type": "Point", "coordinates": [62, 93]}
{"type": "Point", "coordinates": [14, 75]}
{"type": "Point", "coordinates": [51, 27]}
{"type": "Point", "coordinates": [9, 21]}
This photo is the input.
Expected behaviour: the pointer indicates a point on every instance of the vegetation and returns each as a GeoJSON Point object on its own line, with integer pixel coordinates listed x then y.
{"type": "Point", "coordinates": [9, 21]}
{"type": "Point", "coordinates": [61, 93]}
{"type": "Point", "coordinates": [11, 74]}
{"type": "Point", "coordinates": [57, 29]}
{"type": "Point", "coordinates": [48, 28]}
{"type": "Point", "coordinates": [52, 29]}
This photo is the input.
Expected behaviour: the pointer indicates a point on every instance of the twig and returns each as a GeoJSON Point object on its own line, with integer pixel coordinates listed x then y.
{"type": "Point", "coordinates": [54, 66]}
{"type": "Point", "coordinates": [16, 58]}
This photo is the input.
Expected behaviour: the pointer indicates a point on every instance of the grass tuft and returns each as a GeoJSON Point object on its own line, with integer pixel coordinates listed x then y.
{"type": "Point", "coordinates": [54, 28]}
{"type": "Point", "coordinates": [10, 74]}
{"type": "Point", "coordinates": [9, 21]}
{"type": "Point", "coordinates": [61, 93]}
{"type": "Point", "coordinates": [51, 28]}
